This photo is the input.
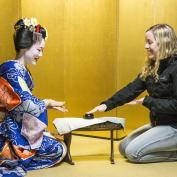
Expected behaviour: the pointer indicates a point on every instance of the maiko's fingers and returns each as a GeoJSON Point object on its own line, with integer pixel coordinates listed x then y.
{"type": "Point", "coordinates": [60, 109]}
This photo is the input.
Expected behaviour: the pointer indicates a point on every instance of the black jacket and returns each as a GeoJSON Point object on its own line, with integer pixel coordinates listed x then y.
{"type": "Point", "coordinates": [162, 99]}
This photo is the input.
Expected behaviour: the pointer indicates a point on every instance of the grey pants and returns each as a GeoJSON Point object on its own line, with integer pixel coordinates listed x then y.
{"type": "Point", "coordinates": [150, 144]}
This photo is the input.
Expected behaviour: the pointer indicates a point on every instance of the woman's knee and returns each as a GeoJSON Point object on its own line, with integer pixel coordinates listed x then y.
{"type": "Point", "coordinates": [123, 145]}
{"type": "Point", "coordinates": [121, 148]}
{"type": "Point", "coordinates": [132, 154]}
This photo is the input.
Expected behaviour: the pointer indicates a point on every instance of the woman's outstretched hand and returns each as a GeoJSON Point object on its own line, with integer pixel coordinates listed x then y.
{"type": "Point", "coordinates": [100, 108]}
{"type": "Point", "coordinates": [58, 105]}
{"type": "Point", "coordinates": [139, 101]}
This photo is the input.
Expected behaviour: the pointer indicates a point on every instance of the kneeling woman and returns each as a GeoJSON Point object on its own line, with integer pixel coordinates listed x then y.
{"type": "Point", "coordinates": [157, 141]}
{"type": "Point", "coordinates": [23, 143]}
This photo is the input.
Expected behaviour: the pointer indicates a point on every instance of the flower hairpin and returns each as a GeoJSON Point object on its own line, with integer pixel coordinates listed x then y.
{"type": "Point", "coordinates": [30, 22]}
{"type": "Point", "coordinates": [32, 25]}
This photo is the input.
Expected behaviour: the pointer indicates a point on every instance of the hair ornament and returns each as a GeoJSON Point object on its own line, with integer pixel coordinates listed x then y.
{"type": "Point", "coordinates": [30, 22]}
{"type": "Point", "coordinates": [32, 25]}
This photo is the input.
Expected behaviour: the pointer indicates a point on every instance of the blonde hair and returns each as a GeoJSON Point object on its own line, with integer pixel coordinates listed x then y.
{"type": "Point", "coordinates": [167, 43]}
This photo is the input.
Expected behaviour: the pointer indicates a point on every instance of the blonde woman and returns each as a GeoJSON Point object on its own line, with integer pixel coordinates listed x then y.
{"type": "Point", "coordinates": [157, 141]}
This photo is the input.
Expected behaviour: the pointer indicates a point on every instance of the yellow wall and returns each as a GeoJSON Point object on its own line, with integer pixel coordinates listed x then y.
{"type": "Point", "coordinates": [90, 53]}
{"type": "Point", "coordinates": [94, 48]}
{"type": "Point", "coordinates": [9, 13]}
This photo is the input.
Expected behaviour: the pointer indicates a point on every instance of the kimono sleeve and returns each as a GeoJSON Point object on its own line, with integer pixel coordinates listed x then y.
{"type": "Point", "coordinates": [29, 111]}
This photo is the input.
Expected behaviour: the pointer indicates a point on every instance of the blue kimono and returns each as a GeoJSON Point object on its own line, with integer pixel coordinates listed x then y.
{"type": "Point", "coordinates": [23, 145]}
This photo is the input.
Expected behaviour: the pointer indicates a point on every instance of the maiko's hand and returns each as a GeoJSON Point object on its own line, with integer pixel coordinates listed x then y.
{"type": "Point", "coordinates": [58, 105]}
{"type": "Point", "coordinates": [100, 108]}
{"type": "Point", "coordinates": [60, 108]}
{"type": "Point", "coordinates": [134, 102]}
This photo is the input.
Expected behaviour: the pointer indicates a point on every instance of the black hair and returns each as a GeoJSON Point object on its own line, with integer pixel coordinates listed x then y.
{"type": "Point", "coordinates": [24, 37]}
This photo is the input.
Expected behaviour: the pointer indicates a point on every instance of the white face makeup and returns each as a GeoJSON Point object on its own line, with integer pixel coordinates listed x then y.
{"type": "Point", "coordinates": [32, 54]}
{"type": "Point", "coordinates": [151, 45]}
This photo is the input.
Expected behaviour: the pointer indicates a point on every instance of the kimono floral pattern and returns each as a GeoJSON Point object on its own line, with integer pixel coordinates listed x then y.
{"type": "Point", "coordinates": [23, 146]}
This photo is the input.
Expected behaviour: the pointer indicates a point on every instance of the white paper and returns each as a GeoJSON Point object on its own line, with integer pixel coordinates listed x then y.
{"type": "Point", "coordinates": [68, 124]}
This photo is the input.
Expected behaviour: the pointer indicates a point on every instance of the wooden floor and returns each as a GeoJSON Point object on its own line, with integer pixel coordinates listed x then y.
{"type": "Point", "coordinates": [91, 157]}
